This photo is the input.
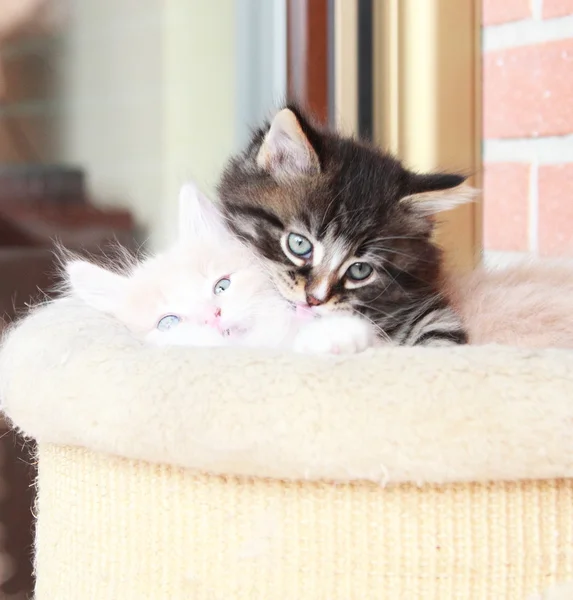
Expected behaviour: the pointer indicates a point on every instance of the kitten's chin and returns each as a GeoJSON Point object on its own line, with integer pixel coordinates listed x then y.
{"type": "Point", "coordinates": [327, 310]}
{"type": "Point", "coordinates": [235, 334]}
{"type": "Point", "coordinates": [303, 312]}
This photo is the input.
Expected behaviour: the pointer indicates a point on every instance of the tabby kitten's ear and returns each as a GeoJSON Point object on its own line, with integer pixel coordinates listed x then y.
{"type": "Point", "coordinates": [286, 152]}
{"type": "Point", "coordinates": [436, 193]}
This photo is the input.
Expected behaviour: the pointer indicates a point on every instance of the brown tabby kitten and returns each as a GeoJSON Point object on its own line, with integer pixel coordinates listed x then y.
{"type": "Point", "coordinates": [345, 227]}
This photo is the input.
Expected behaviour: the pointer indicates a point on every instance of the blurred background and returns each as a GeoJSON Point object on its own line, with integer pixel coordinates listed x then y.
{"type": "Point", "coordinates": [107, 106]}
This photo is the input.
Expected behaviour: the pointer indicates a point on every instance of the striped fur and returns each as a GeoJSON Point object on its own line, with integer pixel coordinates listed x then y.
{"type": "Point", "coordinates": [353, 204]}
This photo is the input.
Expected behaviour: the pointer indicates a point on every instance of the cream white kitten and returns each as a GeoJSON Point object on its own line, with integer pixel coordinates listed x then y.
{"type": "Point", "coordinates": [209, 290]}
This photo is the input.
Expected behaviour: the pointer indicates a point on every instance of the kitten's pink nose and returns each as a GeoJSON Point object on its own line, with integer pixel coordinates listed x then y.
{"type": "Point", "coordinates": [312, 301]}
{"type": "Point", "coordinates": [213, 319]}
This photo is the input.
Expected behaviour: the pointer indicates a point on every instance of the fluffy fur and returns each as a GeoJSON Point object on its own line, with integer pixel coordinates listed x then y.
{"type": "Point", "coordinates": [208, 290]}
{"type": "Point", "coordinates": [527, 305]}
{"type": "Point", "coordinates": [344, 227]}
{"type": "Point", "coordinates": [180, 284]}
{"type": "Point", "coordinates": [71, 375]}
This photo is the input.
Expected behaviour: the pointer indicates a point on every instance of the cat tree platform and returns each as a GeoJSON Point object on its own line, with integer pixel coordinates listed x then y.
{"type": "Point", "coordinates": [183, 473]}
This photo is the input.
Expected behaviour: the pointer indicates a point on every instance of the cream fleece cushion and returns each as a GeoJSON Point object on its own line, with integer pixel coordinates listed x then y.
{"type": "Point", "coordinates": [72, 376]}
{"type": "Point", "coordinates": [116, 528]}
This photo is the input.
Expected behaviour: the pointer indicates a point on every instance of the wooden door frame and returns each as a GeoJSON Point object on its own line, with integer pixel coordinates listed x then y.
{"type": "Point", "coordinates": [427, 89]}
{"type": "Point", "coordinates": [346, 66]}
{"type": "Point", "coordinates": [427, 96]}
{"type": "Point", "coordinates": [307, 55]}
{"type": "Point", "coordinates": [427, 62]}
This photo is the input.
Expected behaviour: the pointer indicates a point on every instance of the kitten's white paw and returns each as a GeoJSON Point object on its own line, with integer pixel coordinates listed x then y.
{"type": "Point", "coordinates": [346, 334]}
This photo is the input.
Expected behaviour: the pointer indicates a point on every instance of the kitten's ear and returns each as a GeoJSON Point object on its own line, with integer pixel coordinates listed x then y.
{"type": "Point", "coordinates": [99, 288]}
{"type": "Point", "coordinates": [436, 193]}
{"type": "Point", "coordinates": [286, 152]}
{"type": "Point", "coordinates": [198, 216]}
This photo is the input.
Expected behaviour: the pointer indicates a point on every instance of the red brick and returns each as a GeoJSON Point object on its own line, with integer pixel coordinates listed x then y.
{"type": "Point", "coordinates": [556, 210]}
{"type": "Point", "coordinates": [557, 8]}
{"type": "Point", "coordinates": [528, 91]}
{"type": "Point", "coordinates": [506, 199]}
{"type": "Point", "coordinates": [502, 11]}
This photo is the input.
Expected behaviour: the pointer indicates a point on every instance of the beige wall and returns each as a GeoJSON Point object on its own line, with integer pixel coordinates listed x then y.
{"type": "Point", "coordinates": [108, 73]}
{"type": "Point", "coordinates": [199, 96]}
{"type": "Point", "coordinates": [148, 92]}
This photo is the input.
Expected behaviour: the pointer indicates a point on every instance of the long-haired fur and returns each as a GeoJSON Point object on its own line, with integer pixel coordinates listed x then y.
{"type": "Point", "coordinates": [354, 204]}
{"type": "Point", "coordinates": [528, 304]}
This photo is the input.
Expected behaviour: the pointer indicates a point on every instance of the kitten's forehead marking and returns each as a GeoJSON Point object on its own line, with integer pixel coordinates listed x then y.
{"type": "Point", "coordinates": [317, 254]}
{"type": "Point", "coordinates": [328, 254]}
{"type": "Point", "coordinates": [336, 251]}
{"type": "Point", "coordinates": [284, 203]}
{"type": "Point", "coordinates": [337, 256]}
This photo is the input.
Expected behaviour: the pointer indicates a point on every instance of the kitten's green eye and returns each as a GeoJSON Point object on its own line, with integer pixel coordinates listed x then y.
{"type": "Point", "coordinates": [222, 285]}
{"type": "Point", "coordinates": [299, 245]}
{"type": "Point", "coordinates": [359, 271]}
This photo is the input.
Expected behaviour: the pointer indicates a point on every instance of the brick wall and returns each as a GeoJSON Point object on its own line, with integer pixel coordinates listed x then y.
{"type": "Point", "coordinates": [528, 127]}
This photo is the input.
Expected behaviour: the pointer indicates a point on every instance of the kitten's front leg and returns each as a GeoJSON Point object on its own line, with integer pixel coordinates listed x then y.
{"type": "Point", "coordinates": [441, 341]}
{"type": "Point", "coordinates": [440, 327]}
{"type": "Point", "coordinates": [344, 334]}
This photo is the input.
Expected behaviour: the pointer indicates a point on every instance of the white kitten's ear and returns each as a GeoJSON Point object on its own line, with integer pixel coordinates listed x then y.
{"type": "Point", "coordinates": [99, 288]}
{"type": "Point", "coordinates": [436, 193]}
{"type": "Point", "coordinates": [198, 216]}
{"type": "Point", "coordinates": [286, 151]}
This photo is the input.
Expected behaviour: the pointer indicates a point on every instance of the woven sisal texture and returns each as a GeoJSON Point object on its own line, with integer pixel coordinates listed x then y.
{"type": "Point", "coordinates": [111, 529]}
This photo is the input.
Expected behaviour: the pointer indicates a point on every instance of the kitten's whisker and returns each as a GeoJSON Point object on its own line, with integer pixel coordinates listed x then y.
{"type": "Point", "coordinates": [386, 259]}
{"type": "Point", "coordinates": [394, 251]}
{"type": "Point", "coordinates": [409, 273]}
{"type": "Point", "coordinates": [396, 237]}
{"type": "Point", "coordinates": [391, 277]}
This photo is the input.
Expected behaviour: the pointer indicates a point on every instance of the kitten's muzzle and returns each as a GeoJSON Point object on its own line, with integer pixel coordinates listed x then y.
{"type": "Point", "coordinates": [318, 290]}
{"type": "Point", "coordinates": [312, 301]}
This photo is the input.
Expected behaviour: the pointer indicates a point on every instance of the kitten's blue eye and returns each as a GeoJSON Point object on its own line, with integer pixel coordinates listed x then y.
{"type": "Point", "coordinates": [167, 322]}
{"type": "Point", "coordinates": [359, 271]}
{"type": "Point", "coordinates": [222, 285]}
{"type": "Point", "coordinates": [299, 245]}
